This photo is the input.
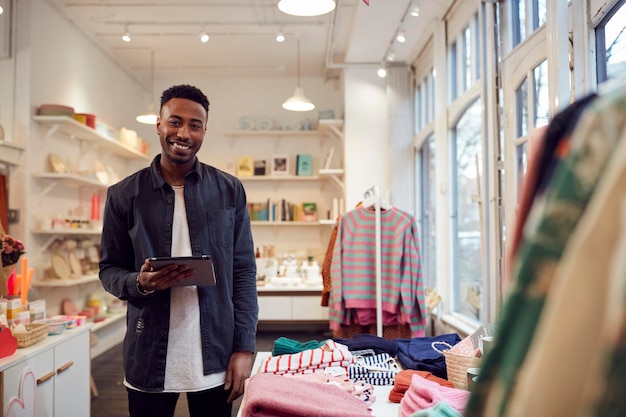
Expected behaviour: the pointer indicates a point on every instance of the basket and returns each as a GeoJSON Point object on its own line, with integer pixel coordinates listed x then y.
{"type": "Point", "coordinates": [35, 334]}
{"type": "Point", "coordinates": [457, 365]}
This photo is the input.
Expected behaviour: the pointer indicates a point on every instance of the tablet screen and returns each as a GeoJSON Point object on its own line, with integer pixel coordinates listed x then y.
{"type": "Point", "coordinates": [203, 265]}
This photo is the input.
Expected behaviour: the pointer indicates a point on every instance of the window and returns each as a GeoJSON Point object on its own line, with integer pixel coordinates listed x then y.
{"type": "Point", "coordinates": [466, 148]}
{"type": "Point", "coordinates": [427, 209]}
{"type": "Point", "coordinates": [527, 16]}
{"type": "Point", "coordinates": [611, 44]}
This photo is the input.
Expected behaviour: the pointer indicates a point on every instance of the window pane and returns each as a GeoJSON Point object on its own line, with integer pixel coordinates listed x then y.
{"type": "Point", "coordinates": [541, 94]}
{"type": "Point", "coordinates": [520, 166]}
{"type": "Point", "coordinates": [452, 71]}
{"type": "Point", "coordinates": [521, 20]}
{"type": "Point", "coordinates": [521, 109]}
{"type": "Point", "coordinates": [418, 109]}
{"type": "Point", "coordinates": [428, 210]}
{"type": "Point", "coordinates": [541, 12]}
{"type": "Point", "coordinates": [615, 44]}
{"type": "Point", "coordinates": [467, 147]}
{"type": "Point", "coordinates": [467, 59]}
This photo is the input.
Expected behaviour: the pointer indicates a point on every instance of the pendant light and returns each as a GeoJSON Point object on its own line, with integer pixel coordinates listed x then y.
{"type": "Point", "coordinates": [298, 102]}
{"type": "Point", "coordinates": [150, 117]}
{"type": "Point", "coordinates": [306, 7]}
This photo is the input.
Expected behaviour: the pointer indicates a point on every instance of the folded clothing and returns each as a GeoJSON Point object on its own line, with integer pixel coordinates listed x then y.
{"type": "Point", "coordinates": [417, 353]}
{"type": "Point", "coordinates": [369, 341]}
{"type": "Point", "coordinates": [423, 394]}
{"type": "Point", "coordinates": [402, 383]}
{"type": "Point", "coordinates": [269, 395]}
{"type": "Point", "coordinates": [310, 360]}
{"type": "Point", "coordinates": [285, 345]}
{"type": "Point", "coordinates": [441, 409]}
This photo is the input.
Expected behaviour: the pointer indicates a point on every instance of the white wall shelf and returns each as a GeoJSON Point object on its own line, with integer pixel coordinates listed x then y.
{"type": "Point", "coordinates": [70, 180]}
{"type": "Point", "coordinates": [279, 178]}
{"type": "Point", "coordinates": [286, 223]}
{"type": "Point", "coordinates": [84, 133]}
{"type": "Point", "coordinates": [10, 153]}
{"type": "Point", "coordinates": [50, 282]}
{"type": "Point", "coordinates": [266, 133]}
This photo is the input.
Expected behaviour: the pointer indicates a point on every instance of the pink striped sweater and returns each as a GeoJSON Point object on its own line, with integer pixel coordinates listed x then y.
{"type": "Point", "coordinates": [353, 271]}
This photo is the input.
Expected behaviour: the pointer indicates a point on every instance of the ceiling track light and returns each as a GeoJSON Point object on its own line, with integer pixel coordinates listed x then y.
{"type": "Point", "coordinates": [204, 37]}
{"type": "Point", "coordinates": [401, 37]}
{"type": "Point", "coordinates": [382, 71]}
{"type": "Point", "coordinates": [298, 102]}
{"type": "Point", "coordinates": [306, 7]}
{"type": "Point", "coordinates": [280, 36]}
{"type": "Point", "coordinates": [415, 9]}
{"type": "Point", "coordinates": [126, 36]}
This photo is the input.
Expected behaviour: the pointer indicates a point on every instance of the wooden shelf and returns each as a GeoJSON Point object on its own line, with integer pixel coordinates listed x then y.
{"type": "Point", "coordinates": [279, 178]}
{"type": "Point", "coordinates": [266, 133]}
{"type": "Point", "coordinates": [50, 232]}
{"type": "Point", "coordinates": [85, 279]}
{"type": "Point", "coordinates": [79, 131]}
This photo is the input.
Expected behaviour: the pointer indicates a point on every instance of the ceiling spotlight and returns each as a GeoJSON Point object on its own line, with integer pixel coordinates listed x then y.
{"type": "Point", "coordinates": [1, 9]}
{"type": "Point", "coordinates": [204, 37]}
{"type": "Point", "coordinates": [280, 37]}
{"type": "Point", "coordinates": [306, 7]}
{"type": "Point", "coordinates": [382, 72]}
{"type": "Point", "coordinates": [126, 35]}
{"type": "Point", "coordinates": [415, 9]}
{"type": "Point", "coordinates": [401, 37]}
{"type": "Point", "coordinates": [391, 55]}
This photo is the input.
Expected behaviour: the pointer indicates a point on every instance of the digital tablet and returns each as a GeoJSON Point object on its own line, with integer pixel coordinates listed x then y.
{"type": "Point", "coordinates": [203, 265]}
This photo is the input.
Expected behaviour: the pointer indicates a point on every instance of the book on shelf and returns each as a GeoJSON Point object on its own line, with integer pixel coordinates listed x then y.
{"type": "Point", "coordinates": [304, 164]}
{"type": "Point", "coordinates": [245, 166]}
{"type": "Point", "coordinates": [260, 167]}
{"type": "Point", "coordinates": [309, 212]}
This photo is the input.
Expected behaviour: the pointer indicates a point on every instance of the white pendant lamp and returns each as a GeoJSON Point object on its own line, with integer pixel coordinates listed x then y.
{"type": "Point", "coordinates": [306, 7]}
{"type": "Point", "coordinates": [150, 117]}
{"type": "Point", "coordinates": [298, 102]}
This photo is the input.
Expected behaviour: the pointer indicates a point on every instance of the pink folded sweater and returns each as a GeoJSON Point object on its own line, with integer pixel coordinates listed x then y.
{"type": "Point", "coordinates": [270, 395]}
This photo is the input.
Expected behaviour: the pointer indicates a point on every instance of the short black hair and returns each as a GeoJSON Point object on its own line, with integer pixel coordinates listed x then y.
{"type": "Point", "coordinates": [186, 91]}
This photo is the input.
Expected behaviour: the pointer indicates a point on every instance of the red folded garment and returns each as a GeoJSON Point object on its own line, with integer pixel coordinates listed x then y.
{"type": "Point", "coordinates": [402, 382]}
{"type": "Point", "coordinates": [270, 395]}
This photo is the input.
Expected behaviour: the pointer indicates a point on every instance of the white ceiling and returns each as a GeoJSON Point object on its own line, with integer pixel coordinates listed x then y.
{"type": "Point", "coordinates": [242, 35]}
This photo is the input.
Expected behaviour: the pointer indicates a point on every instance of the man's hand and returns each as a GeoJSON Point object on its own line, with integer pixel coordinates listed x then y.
{"type": "Point", "coordinates": [239, 369]}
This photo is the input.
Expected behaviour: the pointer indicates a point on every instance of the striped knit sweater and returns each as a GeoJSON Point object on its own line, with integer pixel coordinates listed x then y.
{"type": "Point", "coordinates": [353, 269]}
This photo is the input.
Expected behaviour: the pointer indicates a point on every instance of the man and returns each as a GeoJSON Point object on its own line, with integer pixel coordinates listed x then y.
{"type": "Point", "coordinates": [197, 340]}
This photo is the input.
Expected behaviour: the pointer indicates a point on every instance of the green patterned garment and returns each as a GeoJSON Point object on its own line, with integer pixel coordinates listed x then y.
{"type": "Point", "coordinates": [551, 222]}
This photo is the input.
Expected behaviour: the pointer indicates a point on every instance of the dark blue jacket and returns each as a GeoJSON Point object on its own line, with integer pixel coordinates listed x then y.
{"type": "Point", "coordinates": [137, 225]}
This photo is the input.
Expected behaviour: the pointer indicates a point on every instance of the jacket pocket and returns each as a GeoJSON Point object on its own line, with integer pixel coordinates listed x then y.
{"type": "Point", "coordinates": [221, 227]}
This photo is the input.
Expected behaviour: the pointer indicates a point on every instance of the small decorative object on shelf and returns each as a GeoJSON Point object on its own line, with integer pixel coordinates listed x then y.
{"type": "Point", "coordinates": [245, 166]}
{"type": "Point", "coordinates": [304, 164]}
{"type": "Point", "coordinates": [280, 164]}
{"type": "Point", "coordinates": [12, 249]}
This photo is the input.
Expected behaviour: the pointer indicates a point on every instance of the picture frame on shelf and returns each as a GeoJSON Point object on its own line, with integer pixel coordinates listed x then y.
{"type": "Point", "coordinates": [245, 166]}
{"type": "Point", "coordinates": [280, 164]}
{"type": "Point", "coordinates": [304, 164]}
{"type": "Point", "coordinates": [309, 212]}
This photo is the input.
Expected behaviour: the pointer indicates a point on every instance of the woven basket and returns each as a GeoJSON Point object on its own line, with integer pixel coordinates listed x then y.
{"type": "Point", "coordinates": [457, 365]}
{"type": "Point", "coordinates": [35, 334]}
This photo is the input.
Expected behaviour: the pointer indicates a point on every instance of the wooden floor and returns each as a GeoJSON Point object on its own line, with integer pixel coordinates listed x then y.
{"type": "Point", "coordinates": [108, 375]}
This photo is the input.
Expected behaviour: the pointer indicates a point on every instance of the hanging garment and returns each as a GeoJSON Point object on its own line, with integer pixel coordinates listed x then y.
{"type": "Point", "coordinates": [568, 339]}
{"type": "Point", "coordinates": [353, 271]}
{"type": "Point", "coordinates": [551, 221]}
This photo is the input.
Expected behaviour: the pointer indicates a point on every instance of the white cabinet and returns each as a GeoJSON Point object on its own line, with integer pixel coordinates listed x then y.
{"type": "Point", "coordinates": [291, 304]}
{"type": "Point", "coordinates": [60, 367]}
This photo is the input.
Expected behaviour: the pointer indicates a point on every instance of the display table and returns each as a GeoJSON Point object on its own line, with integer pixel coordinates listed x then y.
{"type": "Point", "coordinates": [382, 407]}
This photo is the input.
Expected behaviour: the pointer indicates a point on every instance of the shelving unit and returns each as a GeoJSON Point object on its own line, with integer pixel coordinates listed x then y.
{"type": "Point", "coordinates": [10, 153]}
{"type": "Point", "coordinates": [87, 135]}
{"type": "Point", "coordinates": [85, 279]}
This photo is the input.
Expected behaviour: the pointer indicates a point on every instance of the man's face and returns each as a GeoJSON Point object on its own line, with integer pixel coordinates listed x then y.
{"type": "Point", "coordinates": [181, 127]}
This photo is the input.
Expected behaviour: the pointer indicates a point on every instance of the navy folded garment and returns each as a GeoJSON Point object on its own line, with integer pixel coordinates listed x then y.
{"type": "Point", "coordinates": [418, 354]}
{"type": "Point", "coordinates": [369, 341]}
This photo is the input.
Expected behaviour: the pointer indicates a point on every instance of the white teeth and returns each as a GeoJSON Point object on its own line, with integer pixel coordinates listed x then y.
{"type": "Point", "coordinates": [176, 145]}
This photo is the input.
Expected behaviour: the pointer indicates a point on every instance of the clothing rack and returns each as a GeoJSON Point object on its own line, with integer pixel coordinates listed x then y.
{"type": "Point", "coordinates": [372, 198]}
